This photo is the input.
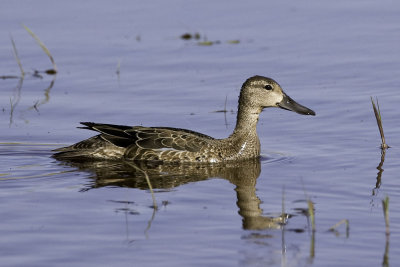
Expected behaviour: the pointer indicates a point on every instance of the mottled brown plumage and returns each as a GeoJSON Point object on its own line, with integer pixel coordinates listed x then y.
{"type": "Point", "coordinates": [179, 145]}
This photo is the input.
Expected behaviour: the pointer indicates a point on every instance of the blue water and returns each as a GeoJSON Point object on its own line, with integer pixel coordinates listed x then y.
{"type": "Point", "coordinates": [329, 56]}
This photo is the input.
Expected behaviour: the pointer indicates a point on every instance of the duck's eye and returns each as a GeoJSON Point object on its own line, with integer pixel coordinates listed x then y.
{"type": "Point", "coordinates": [268, 87]}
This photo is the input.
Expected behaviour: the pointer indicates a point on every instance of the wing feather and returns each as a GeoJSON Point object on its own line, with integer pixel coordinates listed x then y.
{"type": "Point", "coordinates": [148, 138]}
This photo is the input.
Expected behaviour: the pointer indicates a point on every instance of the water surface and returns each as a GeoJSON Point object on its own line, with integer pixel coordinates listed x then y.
{"type": "Point", "coordinates": [330, 57]}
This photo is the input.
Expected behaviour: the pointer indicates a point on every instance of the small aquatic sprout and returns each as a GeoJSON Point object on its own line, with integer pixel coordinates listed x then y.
{"type": "Point", "coordinates": [41, 44]}
{"type": "Point", "coordinates": [233, 41]}
{"type": "Point", "coordinates": [334, 227]}
{"type": "Point", "coordinates": [385, 206]}
{"type": "Point", "coordinates": [378, 117]}
{"type": "Point", "coordinates": [206, 43]}
{"type": "Point", "coordinates": [311, 213]}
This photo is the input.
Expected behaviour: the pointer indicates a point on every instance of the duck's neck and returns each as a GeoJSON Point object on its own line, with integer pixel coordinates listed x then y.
{"type": "Point", "coordinates": [243, 142]}
{"type": "Point", "coordinates": [246, 123]}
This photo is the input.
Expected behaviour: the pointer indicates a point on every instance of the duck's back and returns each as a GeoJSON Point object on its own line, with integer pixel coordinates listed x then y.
{"type": "Point", "coordinates": [139, 143]}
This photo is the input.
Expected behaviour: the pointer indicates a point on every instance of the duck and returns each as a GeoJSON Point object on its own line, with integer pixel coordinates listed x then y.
{"type": "Point", "coordinates": [175, 145]}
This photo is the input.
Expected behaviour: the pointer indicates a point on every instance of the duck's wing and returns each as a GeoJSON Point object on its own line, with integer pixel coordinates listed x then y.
{"type": "Point", "coordinates": [160, 138]}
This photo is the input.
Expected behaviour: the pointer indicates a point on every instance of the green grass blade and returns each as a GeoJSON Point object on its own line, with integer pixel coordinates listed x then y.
{"type": "Point", "coordinates": [311, 214]}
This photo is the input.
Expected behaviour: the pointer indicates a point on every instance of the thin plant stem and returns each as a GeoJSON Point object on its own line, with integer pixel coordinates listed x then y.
{"type": "Point", "coordinates": [17, 57]}
{"type": "Point", "coordinates": [378, 117]}
{"type": "Point", "coordinates": [155, 206]}
{"type": "Point", "coordinates": [344, 221]}
{"type": "Point", "coordinates": [385, 206]}
{"type": "Point", "coordinates": [41, 44]}
{"type": "Point", "coordinates": [311, 214]}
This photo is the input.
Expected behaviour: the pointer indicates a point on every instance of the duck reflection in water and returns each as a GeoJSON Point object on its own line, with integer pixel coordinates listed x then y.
{"type": "Point", "coordinates": [166, 176]}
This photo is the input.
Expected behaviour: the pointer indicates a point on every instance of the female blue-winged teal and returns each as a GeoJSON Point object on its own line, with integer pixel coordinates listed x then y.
{"type": "Point", "coordinates": [179, 145]}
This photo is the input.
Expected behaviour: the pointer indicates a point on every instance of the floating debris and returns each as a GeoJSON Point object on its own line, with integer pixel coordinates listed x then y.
{"type": "Point", "coordinates": [205, 42]}
{"type": "Point", "coordinates": [50, 71]}
{"type": "Point", "coordinates": [189, 36]}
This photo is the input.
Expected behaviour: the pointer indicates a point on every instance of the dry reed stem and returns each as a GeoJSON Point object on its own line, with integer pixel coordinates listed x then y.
{"type": "Point", "coordinates": [17, 57]}
{"type": "Point", "coordinates": [54, 71]}
{"type": "Point", "coordinates": [311, 214]}
{"type": "Point", "coordinates": [378, 117]}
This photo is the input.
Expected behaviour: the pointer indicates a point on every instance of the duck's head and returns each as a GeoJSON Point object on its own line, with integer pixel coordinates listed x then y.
{"type": "Point", "coordinates": [260, 92]}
